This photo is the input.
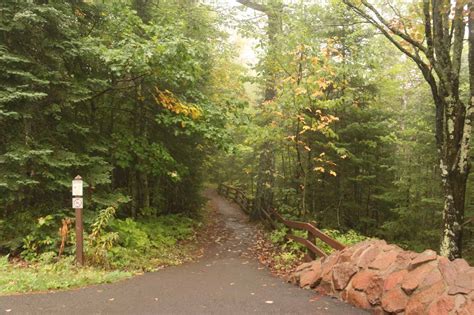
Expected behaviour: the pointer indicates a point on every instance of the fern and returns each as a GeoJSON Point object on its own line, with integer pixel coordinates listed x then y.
{"type": "Point", "coordinates": [101, 241]}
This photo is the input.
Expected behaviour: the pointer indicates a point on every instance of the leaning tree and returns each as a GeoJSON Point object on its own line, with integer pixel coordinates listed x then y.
{"type": "Point", "coordinates": [433, 35]}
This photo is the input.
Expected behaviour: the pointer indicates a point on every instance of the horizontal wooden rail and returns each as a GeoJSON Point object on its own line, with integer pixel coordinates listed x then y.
{"type": "Point", "coordinates": [308, 244]}
{"type": "Point", "coordinates": [246, 205]}
{"type": "Point", "coordinates": [311, 229]}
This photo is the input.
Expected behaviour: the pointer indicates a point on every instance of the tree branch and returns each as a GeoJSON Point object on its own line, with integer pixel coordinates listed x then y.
{"type": "Point", "coordinates": [392, 29]}
{"type": "Point", "coordinates": [254, 5]}
{"type": "Point", "coordinates": [459, 30]}
{"type": "Point", "coordinates": [471, 50]}
{"type": "Point", "coordinates": [428, 32]}
{"type": "Point", "coordinates": [382, 28]}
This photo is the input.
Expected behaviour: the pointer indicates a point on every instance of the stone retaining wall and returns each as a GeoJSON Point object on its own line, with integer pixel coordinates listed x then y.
{"type": "Point", "coordinates": [388, 280]}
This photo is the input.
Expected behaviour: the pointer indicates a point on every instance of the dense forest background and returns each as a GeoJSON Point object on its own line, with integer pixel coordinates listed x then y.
{"type": "Point", "coordinates": [122, 93]}
{"type": "Point", "coordinates": [348, 136]}
{"type": "Point", "coordinates": [148, 101]}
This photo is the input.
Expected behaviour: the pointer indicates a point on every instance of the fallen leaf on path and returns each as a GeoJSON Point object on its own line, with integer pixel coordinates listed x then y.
{"type": "Point", "coordinates": [314, 299]}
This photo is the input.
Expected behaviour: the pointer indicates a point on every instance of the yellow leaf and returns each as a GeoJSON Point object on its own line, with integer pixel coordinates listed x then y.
{"type": "Point", "coordinates": [169, 101]}
{"type": "Point", "coordinates": [300, 90]}
{"type": "Point", "coordinates": [323, 84]}
{"type": "Point", "coordinates": [317, 93]}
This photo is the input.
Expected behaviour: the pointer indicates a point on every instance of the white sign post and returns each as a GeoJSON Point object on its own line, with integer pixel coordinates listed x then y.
{"type": "Point", "coordinates": [77, 187]}
{"type": "Point", "coordinates": [78, 205]}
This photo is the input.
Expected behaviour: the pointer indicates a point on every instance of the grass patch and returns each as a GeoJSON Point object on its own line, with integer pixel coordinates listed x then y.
{"type": "Point", "coordinates": [15, 278]}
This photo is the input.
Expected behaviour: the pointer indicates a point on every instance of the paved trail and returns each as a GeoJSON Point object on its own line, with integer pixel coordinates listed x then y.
{"type": "Point", "coordinates": [222, 282]}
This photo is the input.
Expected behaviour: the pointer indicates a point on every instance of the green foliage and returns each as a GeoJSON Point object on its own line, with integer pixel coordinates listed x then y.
{"type": "Point", "coordinates": [151, 243]}
{"type": "Point", "coordinates": [277, 236]}
{"type": "Point", "coordinates": [286, 259]}
{"type": "Point", "coordinates": [43, 237]}
{"type": "Point", "coordinates": [294, 249]}
{"type": "Point", "coordinates": [131, 235]}
{"type": "Point", "coordinates": [101, 241]}
{"type": "Point", "coordinates": [44, 275]}
{"type": "Point", "coordinates": [348, 238]}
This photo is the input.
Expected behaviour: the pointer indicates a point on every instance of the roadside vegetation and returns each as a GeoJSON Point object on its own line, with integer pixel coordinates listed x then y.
{"type": "Point", "coordinates": [44, 275]}
{"type": "Point", "coordinates": [115, 249]}
{"type": "Point", "coordinates": [282, 256]}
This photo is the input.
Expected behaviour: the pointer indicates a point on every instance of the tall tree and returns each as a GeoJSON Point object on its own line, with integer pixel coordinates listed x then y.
{"type": "Point", "coordinates": [265, 175]}
{"type": "Point", "coordinates": [437, 52]}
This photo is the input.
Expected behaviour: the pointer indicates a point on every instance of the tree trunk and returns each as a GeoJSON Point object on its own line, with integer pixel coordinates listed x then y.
{"type": "Point", "coordinates": [454, 164]}
{"type": "Point", "coordinates": [134, 193]}
{"type": "Point", "coordinates": [142, 8]}
{"type": "Point", "coordinates": [144, 190]}
{"type": "Point", "coordinates": [265, 178]}
{"type": "Point", "coordinates": [454, 184]}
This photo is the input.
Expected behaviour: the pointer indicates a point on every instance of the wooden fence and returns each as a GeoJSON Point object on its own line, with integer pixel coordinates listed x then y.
{"type": "Point", "coordinates": [272, 217]}
{"type": "Point", "coordinates": [236, 195]}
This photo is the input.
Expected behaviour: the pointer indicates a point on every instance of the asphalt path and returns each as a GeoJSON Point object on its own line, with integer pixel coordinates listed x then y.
{"type": "Point", "coordinates": [226, 280]}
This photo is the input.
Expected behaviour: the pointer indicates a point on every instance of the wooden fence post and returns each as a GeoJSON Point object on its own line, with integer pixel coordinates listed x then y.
{"type": "Point", "coordinates": [312, 239]}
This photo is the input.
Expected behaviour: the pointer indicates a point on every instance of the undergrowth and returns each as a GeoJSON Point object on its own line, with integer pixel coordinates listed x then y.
{"type": "Point", "coordinates": [114, 249]}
